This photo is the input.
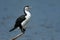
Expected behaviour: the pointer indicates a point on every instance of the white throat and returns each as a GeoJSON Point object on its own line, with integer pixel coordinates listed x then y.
{"type": "Point", "coordinates": [28, 13]}
{"type": "Point", "coordinates": [27, 18]}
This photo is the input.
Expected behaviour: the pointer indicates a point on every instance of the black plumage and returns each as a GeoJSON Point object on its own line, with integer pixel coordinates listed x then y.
{"type": "Point", "coordinates": [18, 23]}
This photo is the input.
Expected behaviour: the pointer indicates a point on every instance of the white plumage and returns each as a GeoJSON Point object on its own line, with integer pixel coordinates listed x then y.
{"type": "Point", "coordinates": [28, 16]}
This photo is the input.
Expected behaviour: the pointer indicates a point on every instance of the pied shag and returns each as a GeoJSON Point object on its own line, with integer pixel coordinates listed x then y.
{"type": "Point", "coordinates": [22, 20]}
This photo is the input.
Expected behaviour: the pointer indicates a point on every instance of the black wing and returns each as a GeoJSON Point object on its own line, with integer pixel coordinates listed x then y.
{"type": "Point", "coordinates": [18, 22]}
{"type": "Point", "coordinates": [20, 19]}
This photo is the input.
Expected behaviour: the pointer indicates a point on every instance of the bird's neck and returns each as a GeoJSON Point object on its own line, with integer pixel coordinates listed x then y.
{"type": "Point", "coordinates": [27, 13]}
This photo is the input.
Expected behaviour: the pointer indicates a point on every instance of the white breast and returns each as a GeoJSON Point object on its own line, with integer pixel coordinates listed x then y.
{"type": "Point", "coordinates": [28, 16]}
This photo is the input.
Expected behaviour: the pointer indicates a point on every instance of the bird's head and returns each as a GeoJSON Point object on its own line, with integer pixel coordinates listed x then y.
{"type": "Point", "coordinates": [27, 8]}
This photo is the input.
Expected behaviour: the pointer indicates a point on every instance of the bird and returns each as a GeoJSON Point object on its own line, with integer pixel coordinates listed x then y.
{"type": "Point", "coordinates": [22, 20]}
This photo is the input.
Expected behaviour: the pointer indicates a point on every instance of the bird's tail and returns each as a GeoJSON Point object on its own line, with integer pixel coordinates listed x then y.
{"type": "Point", "coordinates": [12, 29]}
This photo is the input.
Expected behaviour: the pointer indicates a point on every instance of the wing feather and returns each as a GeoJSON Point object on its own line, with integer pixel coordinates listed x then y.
{"type": "Point", "coordinates": [20, 19]}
